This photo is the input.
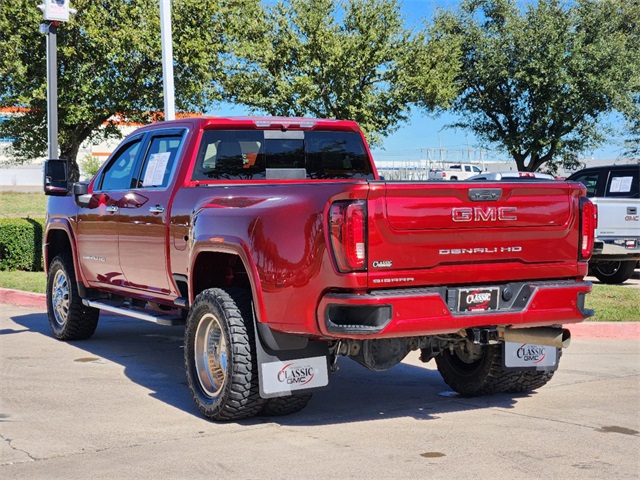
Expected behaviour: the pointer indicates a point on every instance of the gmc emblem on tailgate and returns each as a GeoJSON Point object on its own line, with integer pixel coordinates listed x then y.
{"type": "Point", "coordinates": [480, 214]}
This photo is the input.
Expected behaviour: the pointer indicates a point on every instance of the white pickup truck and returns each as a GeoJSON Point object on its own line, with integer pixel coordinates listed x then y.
{"type": "Point", "coordinates": [454, 172]}
{"type": "Point", "coordinates": [614, 189]}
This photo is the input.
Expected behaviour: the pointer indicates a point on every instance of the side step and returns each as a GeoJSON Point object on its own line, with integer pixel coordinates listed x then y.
{"type": "Point", "coordinates": [135, 312]}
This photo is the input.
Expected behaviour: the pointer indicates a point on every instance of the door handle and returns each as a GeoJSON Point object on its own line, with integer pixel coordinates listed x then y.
{"type": "Point", "coordinates": [112, 209]}
{"type": "Point", "coordinates": [157, 209]}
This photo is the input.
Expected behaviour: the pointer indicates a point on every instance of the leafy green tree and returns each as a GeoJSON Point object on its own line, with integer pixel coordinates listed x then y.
{"type": "Point", "coordinates": [109, 68]}
{"type": "Point", "coordinates": [349, 60]}
{"type": "Point", "coordinates": [539, 81]}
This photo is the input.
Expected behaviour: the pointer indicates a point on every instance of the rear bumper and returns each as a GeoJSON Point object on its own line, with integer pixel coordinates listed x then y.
{"type": "Point", "coordinates": [431, 311]}
{"type": "Point", "coordinates": [616, 248]}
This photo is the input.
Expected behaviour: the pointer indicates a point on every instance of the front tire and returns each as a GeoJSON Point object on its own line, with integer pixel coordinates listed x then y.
{"type": "Point", "coordinates": [69, 318]}
{"type": "Point", "coordinates": [220, 355]}
{"type": "Point", "coordinates": [613, 273]}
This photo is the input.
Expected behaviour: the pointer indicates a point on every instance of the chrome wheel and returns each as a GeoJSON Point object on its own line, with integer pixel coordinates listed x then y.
{"type": "Point", "coordinates": [60, 297]}
{"type": "Point", "coordinates": [210, 352]}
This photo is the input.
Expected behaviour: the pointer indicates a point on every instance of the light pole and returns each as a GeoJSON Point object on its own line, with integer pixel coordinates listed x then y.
{"type": "Point", "coordinates": [54, 12]}
{"type": "Point", "coordinates": [167, 60]}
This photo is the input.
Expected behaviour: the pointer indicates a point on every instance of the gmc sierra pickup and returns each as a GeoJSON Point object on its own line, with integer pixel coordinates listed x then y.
{"type": "Point", "coordinates": [276, 243]}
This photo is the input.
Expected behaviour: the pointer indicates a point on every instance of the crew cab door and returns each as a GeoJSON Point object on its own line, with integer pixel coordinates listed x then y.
{"type": "Point", "coordinates": [144, 209]}
{"type": "Point", "coordinates": [97, 228]}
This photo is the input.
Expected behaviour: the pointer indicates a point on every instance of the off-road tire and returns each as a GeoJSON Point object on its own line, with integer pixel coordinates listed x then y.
{"type": "Point", "coordinates": [613, 273]}
{"type": "Point", "coordinates": [279, 406]}
{"type": "Point", "coordinates": [487, 375]}
{"type": "Point", "coordinates": [69, 319]}
{"type": "Point", "coordinates": [483, 376]}
{"type": "Point", "coordinates": [220, 355]}
{"type": "Point", "coordinates": [533, 379]}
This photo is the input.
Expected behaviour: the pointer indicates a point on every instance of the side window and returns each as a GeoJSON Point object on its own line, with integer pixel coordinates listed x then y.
{"type": "Point", "coordinates": [119, 173]}
{"type": "Point", "coordinates": [623, 183]}
{"type": "Point", "coordinates": [159, 161]}
{"type": "Point", "coordinates": [590, 181]}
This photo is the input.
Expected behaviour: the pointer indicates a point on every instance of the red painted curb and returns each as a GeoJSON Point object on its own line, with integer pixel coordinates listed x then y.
{"type": "Point", "coordinates": [626, 330]}
{"type": "Point", "coordinates": [23, 299]}
{"type": "Point", "coordinates": [618, 330]}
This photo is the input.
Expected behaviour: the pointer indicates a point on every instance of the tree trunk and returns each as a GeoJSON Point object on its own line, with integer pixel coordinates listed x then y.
{"type": "Point", "coordinates": [70, 153]}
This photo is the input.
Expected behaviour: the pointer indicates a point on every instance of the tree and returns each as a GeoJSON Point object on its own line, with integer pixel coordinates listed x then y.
{"type": "Point", "coordinates": [350, 60]}
{"type": "Point", "coordinates": [538, 82]}
{"type": "Point", "coordinates": [109, 67]}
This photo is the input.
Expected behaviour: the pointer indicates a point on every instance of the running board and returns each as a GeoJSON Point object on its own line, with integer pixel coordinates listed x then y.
{"type": "Point", "coordinates": [135, 312]}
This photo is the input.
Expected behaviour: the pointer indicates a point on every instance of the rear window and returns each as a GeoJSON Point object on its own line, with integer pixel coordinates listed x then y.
{"type": "Point", "coordinates": [274, 154]}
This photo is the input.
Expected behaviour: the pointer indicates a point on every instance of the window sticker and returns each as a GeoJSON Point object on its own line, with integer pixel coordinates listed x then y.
{"type": "Point", "coordinates": [156, 166]}
{"type": "Point", "coordinates": [620, 185]}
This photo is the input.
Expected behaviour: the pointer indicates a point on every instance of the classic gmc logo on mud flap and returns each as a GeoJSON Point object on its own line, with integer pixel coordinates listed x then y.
{"type": "Point", "coordinates": [296, 375]}
{"type": "Point", "coordinates": [480, 214]}
{"type": "Point", "coordinates": [531, 353]}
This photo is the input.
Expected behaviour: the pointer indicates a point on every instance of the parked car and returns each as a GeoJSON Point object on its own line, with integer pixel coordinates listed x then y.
{"type": "Point", "coordinates": [614, 189]}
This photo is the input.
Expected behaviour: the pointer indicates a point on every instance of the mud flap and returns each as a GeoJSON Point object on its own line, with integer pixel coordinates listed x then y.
{"type": "Point", "coordinates": [525, 356]}
{"type": "Point", "coordinates": [282, 372]}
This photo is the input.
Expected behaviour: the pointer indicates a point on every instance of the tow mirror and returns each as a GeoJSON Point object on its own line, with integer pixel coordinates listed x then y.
{"type": "Point", "coordinates": [56, 179]}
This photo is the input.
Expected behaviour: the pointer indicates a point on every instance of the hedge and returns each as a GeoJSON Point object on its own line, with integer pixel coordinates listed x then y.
{"type": "Point", "coordinates": [21, 244]}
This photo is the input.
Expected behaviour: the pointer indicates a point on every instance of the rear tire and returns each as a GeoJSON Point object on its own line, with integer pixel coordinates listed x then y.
{"type": "Point", "coordinates": [275, 407]}
{"type": "Point", "coordinates": [220, 355]}
{"type": "Point", "coordinates": [613, 273]}
{"type": "Point", "coordinates": [531, 380]}
{"type": "Point", "coordinates": [69, 318]}
{"type": "Point", "coordinates": [473, 370]}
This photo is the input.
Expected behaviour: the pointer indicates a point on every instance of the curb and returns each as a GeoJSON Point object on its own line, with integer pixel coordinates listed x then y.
{"type": "Point", "coordinates": [613, 330]}
{"type": "Point", "coordinates": [618, 330]}
{"type": "Point", "coordinates": [23, 299]}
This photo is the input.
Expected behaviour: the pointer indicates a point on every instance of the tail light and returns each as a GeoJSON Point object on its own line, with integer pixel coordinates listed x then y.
{"type": "Point", "coordinates": [588, 224]}
{"type": "Point", "coordinates": [347, 229]}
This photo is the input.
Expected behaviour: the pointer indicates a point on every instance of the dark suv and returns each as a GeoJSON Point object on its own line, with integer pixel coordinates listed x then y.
{"type": "Point", "coordinates": [614, 188]}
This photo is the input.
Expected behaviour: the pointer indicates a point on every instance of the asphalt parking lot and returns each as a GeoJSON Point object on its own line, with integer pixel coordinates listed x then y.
{"type": "Point", "coordinates": [117, 406]}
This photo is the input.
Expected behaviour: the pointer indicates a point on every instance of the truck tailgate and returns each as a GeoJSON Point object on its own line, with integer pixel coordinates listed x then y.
{"type": "Point", "coordinates": [421, 233]}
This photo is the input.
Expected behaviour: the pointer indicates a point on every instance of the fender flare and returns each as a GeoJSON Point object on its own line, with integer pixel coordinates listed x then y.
{"type": "Point", "coordinates": [64, 225]}
{"type": "Point", "coordinates": [233, 246]}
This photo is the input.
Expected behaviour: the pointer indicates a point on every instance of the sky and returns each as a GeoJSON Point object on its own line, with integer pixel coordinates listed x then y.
{"type": "Point", "coordinates": [418, 138]}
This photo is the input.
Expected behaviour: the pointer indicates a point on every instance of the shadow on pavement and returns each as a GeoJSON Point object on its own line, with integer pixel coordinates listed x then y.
{"type": "Point", "coordinates": [152, 356]}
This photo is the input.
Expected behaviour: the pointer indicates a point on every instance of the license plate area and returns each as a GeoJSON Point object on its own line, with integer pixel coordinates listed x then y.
{"type": "Point", "coordinates": [474, 300]}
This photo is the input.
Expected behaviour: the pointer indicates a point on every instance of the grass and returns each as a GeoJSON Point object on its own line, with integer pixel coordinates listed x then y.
{"type": "Point", "coordinates": [614, 303]}
{"type": "Point", "coordinates": [26, 281]}
{"type": "Point", "coordinates": [21, 205]}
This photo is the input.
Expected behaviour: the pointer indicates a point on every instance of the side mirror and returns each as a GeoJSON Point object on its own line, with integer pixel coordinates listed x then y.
{"type": "Point", "coordinates": [56, 178]}
{"type": "Point", "coordinates": [81, 194]}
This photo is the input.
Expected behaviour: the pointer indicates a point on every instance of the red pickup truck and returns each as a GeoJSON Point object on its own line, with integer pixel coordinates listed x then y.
{"type": "Point", "coordinates": [278, 245]}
